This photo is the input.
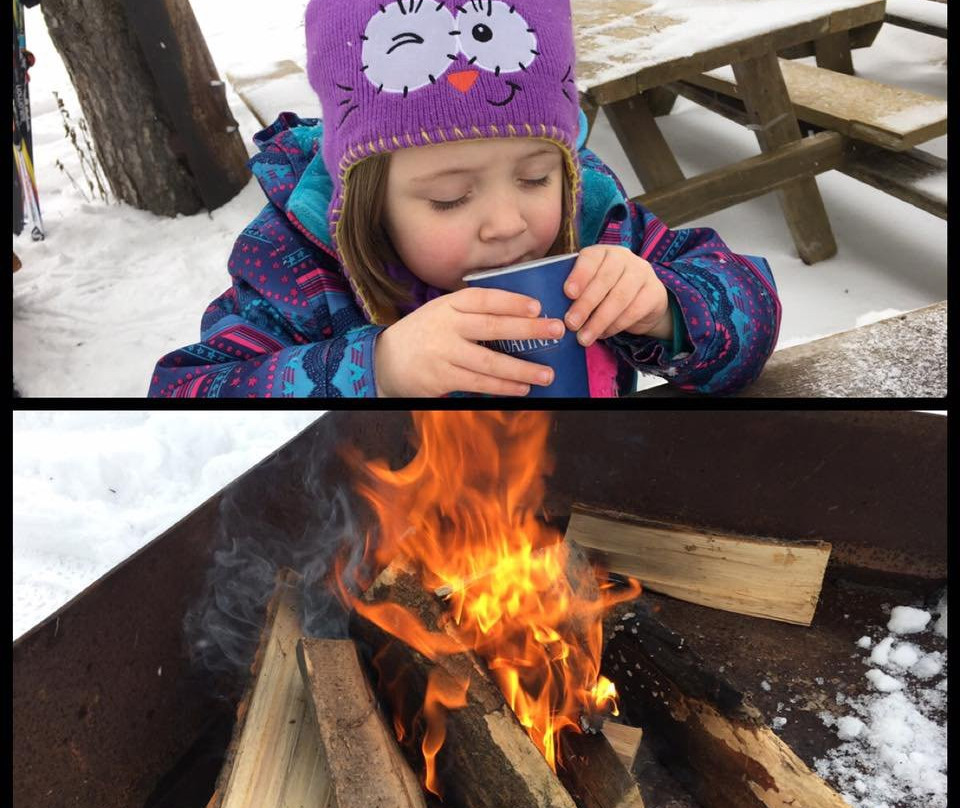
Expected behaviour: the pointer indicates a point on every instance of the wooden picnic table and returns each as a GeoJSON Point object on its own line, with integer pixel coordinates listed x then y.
{"type": "Point", "coordinates": [629, 50]}
{"type": "Point", "coordinates": [900, 357]}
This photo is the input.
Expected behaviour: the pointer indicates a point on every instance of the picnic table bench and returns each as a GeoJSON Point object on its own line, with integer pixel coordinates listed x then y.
{"type": "Point", "coordinates": [882, 124]}
{"type": "Point", "coordinates": [900, 357]}
{"type": "Point", "coordinates": [925, 16]}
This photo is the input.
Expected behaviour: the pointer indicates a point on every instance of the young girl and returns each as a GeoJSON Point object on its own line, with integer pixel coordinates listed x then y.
{"type": "Point", "coordinates": [452, 141]}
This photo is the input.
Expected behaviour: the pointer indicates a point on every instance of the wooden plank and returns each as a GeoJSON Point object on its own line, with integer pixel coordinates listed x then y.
{"type": "Point", "coordinates": [765, 97]}
{"type": "Point", "coordinates": [357, 750]}
{"type": "Point", "coordinates": [643, 143]}
{"type": "Point", "coordinates": [917, 177]}
{"type": "Point", "coordinates": [914, 176]}
{"type": "Point", "coordinates": [273, 88]}
{"type": "Point", "coordinates": [900, 357]}
{"type": "Point", "coordinates": [918, 15]}
{"type": "Point", "coordinates": [915, 25]}
{"type": "Point", "coordinates": [746, 179]}
{"type": "Point", "coordinates": [627, 46]}
{"type": "Point", "coordinates": [590, 110]}
{"type": "Point", "coordinates": [888, 116]}
{"type": "Point", "coordinates": [833, 53]}
{"type": "Point", "coordinates": [660, 100]}
{"type": "Point", "coordinates": [272, 760]}
{"type": "Point", "coordinates": [862, 36]}
{"type": "Point", "coordinates": [707, 732]}
{"type": "Point", "coordinates": [779, 580]}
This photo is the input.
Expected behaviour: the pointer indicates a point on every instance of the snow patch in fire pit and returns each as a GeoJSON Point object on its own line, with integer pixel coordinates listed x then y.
{"type": "Point", "coordinates": [907, 620]}
{"type": "Point", "coordinates": [894, 750]}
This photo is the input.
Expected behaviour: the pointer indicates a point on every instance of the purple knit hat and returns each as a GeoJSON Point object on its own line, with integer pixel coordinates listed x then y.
{"type": "Point", "coordinates": [418, 72]}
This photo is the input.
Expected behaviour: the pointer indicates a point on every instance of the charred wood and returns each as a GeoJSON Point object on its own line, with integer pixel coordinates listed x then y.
{"type": "Point", "coordinates": [705, 731]}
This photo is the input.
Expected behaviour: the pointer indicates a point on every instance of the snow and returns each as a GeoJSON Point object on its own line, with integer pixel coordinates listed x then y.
{"type": "Point", "coordinates": [882, 681]}
{"type": "Point", "coordinates": [91, 488]}
{"type": "Point", "coordinates": [894, 740]}
{"type": "Point", "coordinates": [881, 653]}
{"type": "Point", "coordinates": [908, 620]}
{"type": "Point", "coordinates": [112, 289]}
{"type": "Point", "coordinates": [849, 727]}
{"type": "Point", "coordinates": [683, 27]}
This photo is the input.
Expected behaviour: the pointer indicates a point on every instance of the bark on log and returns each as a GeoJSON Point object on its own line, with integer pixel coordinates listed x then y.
{"type": "Point", "coordinates": [155, 105]}
{"type": "Point", "coordinates": [360, 754]}
{"type": "Point", "coordinates": [704, 730]}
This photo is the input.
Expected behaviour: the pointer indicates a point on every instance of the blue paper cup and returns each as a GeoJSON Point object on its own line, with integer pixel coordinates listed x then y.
{"type": "Point", "coordinates": [543, 280]}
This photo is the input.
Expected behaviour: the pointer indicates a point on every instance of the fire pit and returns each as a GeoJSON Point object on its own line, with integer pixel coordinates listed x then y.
{"type": "Point", "coordinates": [109, 710]}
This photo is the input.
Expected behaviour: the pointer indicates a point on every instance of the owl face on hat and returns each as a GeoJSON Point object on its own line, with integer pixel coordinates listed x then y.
{"type": "Point", "coordinates": [480, 48]}
{"type": "Point", "coordinates": [409, 68]}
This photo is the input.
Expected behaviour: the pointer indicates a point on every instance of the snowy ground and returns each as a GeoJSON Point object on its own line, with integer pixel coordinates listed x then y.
{"type": "Point", "coordinates": [89, 489]}
{"type": "Point", "coordinates": [113, 288]}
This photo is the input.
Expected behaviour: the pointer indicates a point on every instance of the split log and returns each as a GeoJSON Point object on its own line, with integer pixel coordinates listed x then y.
{"type": "Point", "coordinates": [486, 753]}
{"type": "Point", "coordinates": [271, 761]}
{"type": "Point", "coordinates": [703, 729]}
{"type": "Point", "coordinates": [360, 754]}
{"type": "Point", "coordinates": [768, 578]}
{"type": "Point", "coordinates": [625, 741]}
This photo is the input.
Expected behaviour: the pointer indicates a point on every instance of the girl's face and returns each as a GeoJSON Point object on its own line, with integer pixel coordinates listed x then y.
{"type": "Point", "coordinates": [455, 208]}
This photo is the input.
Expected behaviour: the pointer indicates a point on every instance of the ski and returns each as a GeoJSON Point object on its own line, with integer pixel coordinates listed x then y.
{"type": "Point", "coordinates": [24, 174]}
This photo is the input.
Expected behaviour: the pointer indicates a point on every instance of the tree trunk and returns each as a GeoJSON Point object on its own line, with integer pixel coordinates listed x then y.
{"type": "Point", "coordinates": [151, 95]}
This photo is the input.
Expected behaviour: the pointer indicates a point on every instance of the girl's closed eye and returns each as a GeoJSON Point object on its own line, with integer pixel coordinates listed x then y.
{"type": "Point", "coordinates": [454, 203]}
{"type": "Point", "coordinates": [440, 205]}
{"type": "Point", "coordinates": [540, 183]}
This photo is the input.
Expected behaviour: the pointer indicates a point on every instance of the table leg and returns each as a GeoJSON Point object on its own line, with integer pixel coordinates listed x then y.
{"type": "Point", "coordinates": [833, 52]}
{"type": "Point", "coordinates": [590, 109]}
{"type": "Point", "coordinates": [765, 96]}
{"type": "Point", "coordinates": [660, 100]}
{"type": "Point", "coordinates": [643, 142]}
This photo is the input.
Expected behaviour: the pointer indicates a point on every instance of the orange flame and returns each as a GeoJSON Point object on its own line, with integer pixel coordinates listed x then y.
{"type": "Point", "coordinates": [464, 510]}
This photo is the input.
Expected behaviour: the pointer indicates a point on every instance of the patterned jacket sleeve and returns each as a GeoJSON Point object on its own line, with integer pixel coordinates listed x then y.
{"type": "Point", "coordinates": [728, 302]}
{"type": "Point", "coordinates": [287, 327]}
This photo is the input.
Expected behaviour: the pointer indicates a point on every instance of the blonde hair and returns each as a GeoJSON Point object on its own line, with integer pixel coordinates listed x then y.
{"type": "Point", "coordinates": [365, 247]}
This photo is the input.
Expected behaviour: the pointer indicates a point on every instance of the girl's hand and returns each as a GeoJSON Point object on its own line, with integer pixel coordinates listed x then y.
{"type": "Point", "coordinates": [433, 350]}
{"type": "Point", "coordinates": [614, 290]}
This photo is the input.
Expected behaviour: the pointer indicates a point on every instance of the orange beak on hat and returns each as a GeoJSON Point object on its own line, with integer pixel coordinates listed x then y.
{"type": "Point", "coordinates": [463, 80]}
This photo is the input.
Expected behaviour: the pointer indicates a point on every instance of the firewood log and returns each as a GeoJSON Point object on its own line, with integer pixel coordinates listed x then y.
{"type": "Point", "coordinates": [359, 753]}
{"type": "Point", "coordinates": [486, 754]}
{"type": "Point", "coordinates": [706, 731]}
{"type": "Point", "coordinates": [271, 761]}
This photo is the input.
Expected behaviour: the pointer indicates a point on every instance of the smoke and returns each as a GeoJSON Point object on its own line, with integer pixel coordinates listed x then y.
{"type": "Point", "coordinates": [304, 519]}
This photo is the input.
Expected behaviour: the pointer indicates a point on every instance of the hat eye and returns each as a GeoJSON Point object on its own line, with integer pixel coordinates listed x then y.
{"type": "Point", "coordinates": [408, 45]}
{"type": "Point", "coordinates": [495, 36]}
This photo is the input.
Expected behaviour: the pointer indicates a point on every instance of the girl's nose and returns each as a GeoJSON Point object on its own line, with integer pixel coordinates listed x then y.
{"type": "Point", "coordinates": [463, 80]}
{"type": "Point", "coordinates": [503, 221]}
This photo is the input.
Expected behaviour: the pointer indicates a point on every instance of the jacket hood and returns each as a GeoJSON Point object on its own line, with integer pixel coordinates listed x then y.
{"type": "Point", "coordinates": [292, 174]}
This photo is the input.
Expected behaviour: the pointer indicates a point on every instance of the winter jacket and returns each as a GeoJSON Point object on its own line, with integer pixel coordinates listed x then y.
{"type": "Point", "coordinates": [291, 326]}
